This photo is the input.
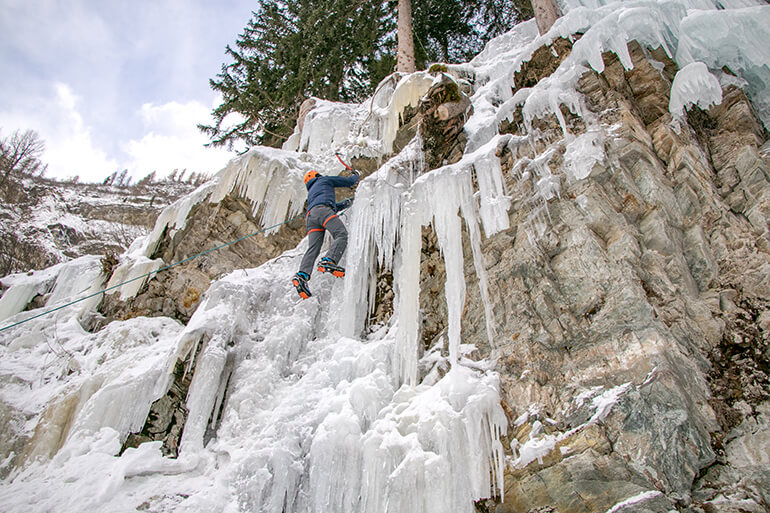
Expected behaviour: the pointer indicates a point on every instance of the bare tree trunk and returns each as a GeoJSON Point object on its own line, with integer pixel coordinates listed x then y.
{"type": "Point", "coordinates": [546, 14]}
{"type": "Point", "coordinates": [405, 62]}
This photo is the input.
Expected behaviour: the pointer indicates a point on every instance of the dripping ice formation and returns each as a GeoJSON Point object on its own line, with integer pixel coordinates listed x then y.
{"type": "Point", "coordinates": [300, 406]}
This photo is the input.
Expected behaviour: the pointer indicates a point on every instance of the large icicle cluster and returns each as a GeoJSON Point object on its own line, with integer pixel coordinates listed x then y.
{"type": "Point", "coordinates": [368, 129]}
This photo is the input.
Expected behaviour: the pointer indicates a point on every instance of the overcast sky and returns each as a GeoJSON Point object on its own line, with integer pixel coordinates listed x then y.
{"type": "Point", "coordinates": [114, 84]}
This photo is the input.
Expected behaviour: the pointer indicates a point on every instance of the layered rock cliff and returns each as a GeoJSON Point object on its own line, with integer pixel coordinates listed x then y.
{"type": "Point", "coordinates": [44, 222]}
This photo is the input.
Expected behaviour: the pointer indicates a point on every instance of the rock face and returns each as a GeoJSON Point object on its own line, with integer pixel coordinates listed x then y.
{"type": "Point", "coordinates": [177, 292]}
{"type": "Point", "coordinates": [631, 310]}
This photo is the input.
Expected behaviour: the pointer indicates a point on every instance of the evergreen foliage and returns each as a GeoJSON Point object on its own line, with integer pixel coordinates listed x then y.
{"type": "Point", "coordinates": [293, 49]}
{"type": "Point", "coordinates": [336, 50]}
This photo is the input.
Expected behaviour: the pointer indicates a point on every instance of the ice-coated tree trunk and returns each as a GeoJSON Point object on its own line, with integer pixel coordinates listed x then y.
{"type": "Point", "coordinates": [546, 13]}
{"type": "Point", "coordinates": [405, 61]}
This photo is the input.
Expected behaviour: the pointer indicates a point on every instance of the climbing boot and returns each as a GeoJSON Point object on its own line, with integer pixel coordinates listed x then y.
{"type": "Point", "coordinates": [327, 265]}
{"type": "Point", "coordinates": [300, 283]}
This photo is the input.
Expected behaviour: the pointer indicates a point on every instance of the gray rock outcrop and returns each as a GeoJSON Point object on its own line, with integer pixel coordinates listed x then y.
{"type": "Point", "coordinates": [644, 287]}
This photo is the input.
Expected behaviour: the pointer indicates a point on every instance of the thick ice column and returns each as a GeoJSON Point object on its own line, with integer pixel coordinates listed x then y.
{"type": "Point", "coordinates": [358, 269]}
{"type": "Point", "coordinates": [375, 219]}
{"type": "Point", "coordinates": [449, 234]}
{"type": "Point", "coordinates": [409, 293]}
{"type": "Point", "coordinates": [203, 393]}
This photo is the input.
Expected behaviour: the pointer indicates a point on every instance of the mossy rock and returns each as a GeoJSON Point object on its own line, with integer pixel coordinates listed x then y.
{"type": "Point", "coordinates": [438, 68]}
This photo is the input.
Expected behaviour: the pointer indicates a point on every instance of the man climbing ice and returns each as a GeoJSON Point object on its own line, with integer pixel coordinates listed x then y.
{"type": "Point", "coordinates": [321, 215]}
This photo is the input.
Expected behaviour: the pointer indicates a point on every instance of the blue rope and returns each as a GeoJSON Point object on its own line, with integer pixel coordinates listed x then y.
{"type": "Point", "coordinates": [148, 274]}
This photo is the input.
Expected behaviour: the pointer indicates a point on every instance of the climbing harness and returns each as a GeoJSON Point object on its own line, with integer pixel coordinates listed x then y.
{"type": "Point", "coordinates": [148, 274]}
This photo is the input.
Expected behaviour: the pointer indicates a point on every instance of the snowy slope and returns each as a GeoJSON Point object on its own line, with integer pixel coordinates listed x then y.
{"type": "Point", "coordinates": [51, 222]}
{"type": "Point", "coordinates": [298, 405]}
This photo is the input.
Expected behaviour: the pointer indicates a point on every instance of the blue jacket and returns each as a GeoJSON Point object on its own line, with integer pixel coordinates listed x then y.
{"type": "Point", "coordinates": [320, 191]}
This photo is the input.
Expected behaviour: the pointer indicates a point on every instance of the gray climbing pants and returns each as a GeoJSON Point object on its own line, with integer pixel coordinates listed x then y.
{"type": "Point", "coordinates": [320, 219]}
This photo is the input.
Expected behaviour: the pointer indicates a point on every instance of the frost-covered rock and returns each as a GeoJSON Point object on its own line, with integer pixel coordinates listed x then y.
{"type": "Point", "coordinates": [46, 222]}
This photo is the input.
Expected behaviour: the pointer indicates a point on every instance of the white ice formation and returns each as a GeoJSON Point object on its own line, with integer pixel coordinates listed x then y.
{"type": "Point", "coordinates": [301, 405]}
{"type": "Point", "coordinates": [694, 85]}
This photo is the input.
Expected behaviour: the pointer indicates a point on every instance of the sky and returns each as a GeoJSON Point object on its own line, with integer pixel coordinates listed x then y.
{"type": "Point", "coordinates": [116, 84]}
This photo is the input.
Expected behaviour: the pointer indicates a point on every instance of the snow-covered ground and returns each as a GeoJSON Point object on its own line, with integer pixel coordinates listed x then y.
{"type": "Point", "coordinates": [298, 405]}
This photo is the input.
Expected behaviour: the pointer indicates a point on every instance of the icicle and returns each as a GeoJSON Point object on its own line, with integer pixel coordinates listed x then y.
{"type": "Point", "coordinates": [136, 270]}
{"type": "Point", "coordinates": [375, 221]}
{"type": "Point", "coordinates": [203, 393]}
{"type": "Point", "coordinates": [493, 202]}
{"type": "Point", "coordinates": [693, 85]}
{"type": "Point", "coordinates": [426, 203]}
{"type": "Point", "coordinates": [270, 179]}
{"type": "Point", "coordinates": [407, 93]}
{"type": "Point", "coordinates": [405, 361]}
{"type": "Point", "coordinates": [328, 125]}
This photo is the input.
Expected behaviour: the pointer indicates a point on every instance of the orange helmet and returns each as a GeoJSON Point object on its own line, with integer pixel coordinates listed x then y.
{"type": "Point", "coordinates": [310, 175]}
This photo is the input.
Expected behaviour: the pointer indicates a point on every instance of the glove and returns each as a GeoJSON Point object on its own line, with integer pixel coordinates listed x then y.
{"type": "Point", "coordinates": [342, 205]}
{"type": "Point", "coordinates": [355, 172]}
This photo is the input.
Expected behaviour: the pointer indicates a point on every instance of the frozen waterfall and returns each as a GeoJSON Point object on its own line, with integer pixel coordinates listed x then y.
{"type": "Point", "coordinates": [305, 406]}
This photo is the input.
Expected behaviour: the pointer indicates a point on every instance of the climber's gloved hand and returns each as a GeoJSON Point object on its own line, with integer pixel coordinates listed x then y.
{"type": "Point", "coordinates": [342, 205]}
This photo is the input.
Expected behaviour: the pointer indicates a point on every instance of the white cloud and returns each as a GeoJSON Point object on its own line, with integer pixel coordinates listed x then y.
{"type": "Point", "coordinates": [121, 67]}
{"type": "Point", "coordinates": [69, 147]}
{"type": "Point", "coordinates": [173, 141]}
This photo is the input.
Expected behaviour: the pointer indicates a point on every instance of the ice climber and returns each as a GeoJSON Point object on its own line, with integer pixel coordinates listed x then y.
{"type": "Point", "coordinates": [321, 216]}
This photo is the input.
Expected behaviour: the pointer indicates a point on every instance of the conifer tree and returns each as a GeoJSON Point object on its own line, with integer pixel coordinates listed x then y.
{"type": "Point", "coordinates": [405, 59]}
{"type": "Point", "coordinates": [110, 179]}
{"type": "Point", "coordinates": [336, 50]}
{"type": "Point", "coordinates": [119, 179]}
{"type": "Point", "coordinates": [293, 49]}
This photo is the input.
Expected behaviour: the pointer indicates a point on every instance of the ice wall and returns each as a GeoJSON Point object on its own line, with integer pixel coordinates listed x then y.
{"type": "Point", "coordinates": [286, 413]}
{"type": "Point", "coordinates": [310, 420]}
{"type": "Point", "coordinates": [305, 421]}
{"type": "Point", "coordinates": [732, 38]}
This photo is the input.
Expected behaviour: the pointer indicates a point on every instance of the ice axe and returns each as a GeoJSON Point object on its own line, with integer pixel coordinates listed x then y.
{"type": "Point", "coordinates": [337, 154]}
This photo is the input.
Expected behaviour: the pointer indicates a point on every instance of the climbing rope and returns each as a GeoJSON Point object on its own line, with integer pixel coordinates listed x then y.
{"type": "Point", "coordinates": [148, 274]}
